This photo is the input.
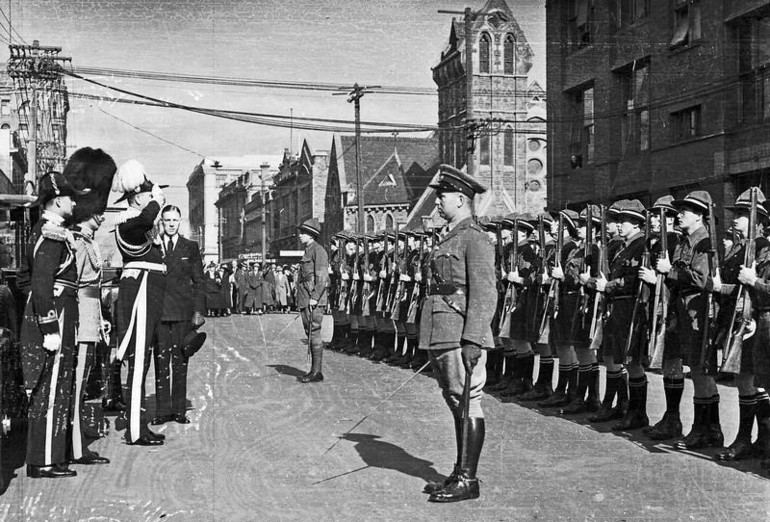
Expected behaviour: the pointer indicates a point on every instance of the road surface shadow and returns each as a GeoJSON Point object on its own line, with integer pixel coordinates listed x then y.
{"type": "Point", "coordinates": [378, 454]}
{"type": "Point", "coordinates": [284, 369]}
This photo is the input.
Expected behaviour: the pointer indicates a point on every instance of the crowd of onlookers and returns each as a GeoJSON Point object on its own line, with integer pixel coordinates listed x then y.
{"type": "Point", "coordinates": [249, 287]}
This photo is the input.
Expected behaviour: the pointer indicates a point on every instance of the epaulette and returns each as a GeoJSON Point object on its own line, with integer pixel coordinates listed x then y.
{"type": "Point", "coordinates": [55, 232]}
{"type": "Point", "coordinates": [127, 214]}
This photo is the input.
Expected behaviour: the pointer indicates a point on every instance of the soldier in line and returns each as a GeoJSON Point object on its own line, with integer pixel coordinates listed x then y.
{"type": "Point", "coordinates": [455, 325]}
{"type": "Point", "coordinates": [49, 276]}
{"type": "Point", "coordinates": [312, 294]}
{"type": "Point", "coordinates": [141, 291]}
{"type": "Point", "coordinates": [336, 268]}
{"type": "Point", "coordinates": [92, 169]}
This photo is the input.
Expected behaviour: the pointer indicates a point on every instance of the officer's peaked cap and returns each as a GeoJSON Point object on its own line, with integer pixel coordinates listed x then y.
{"type": "Point", "coordinates": [452, 180]}
{"type": "Point", "coordinates": [699, 200]}
{"type": "Point", "coordinates": [311, 227]}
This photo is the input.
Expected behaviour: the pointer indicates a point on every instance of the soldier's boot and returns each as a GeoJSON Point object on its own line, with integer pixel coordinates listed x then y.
{"type": "Point", "coordinates": [344, 339]}
{"type": "Point", "coordinates": [353, 346]}
{"type": "Point", "coordinates": [698, 436]}
{"type": "Point", "coordinates": [578, 403]}
{"type": "Point", "coordinates": [592, 401]}
{"type": "Point", "coordinates": [381, 348]}
{"type": "Point", "coordinates": [636, 416]}
{"type": "Point", "coordinates": [465, 486]}
{"type": "Point", "coordinates": [432, 487]}
{"type": "Point", "coordinates": [494, 369]}
{"type": "Point", "coordinates": [606, 411]}
{"type": "Point", "coordinates": [522, 382]}
{"type": "Point", "coordinates": [365, 343]}
{"type": "Point", "coordinates": [741, 448]}
{"type": "Point", "coordinates": [332, 344]}
{"type": "Point", "coordinates": [505, 370]}
{"type": "Point", "coordinates": [762, 444]}
{"type": "Point", "coordinates": [542, 388]}
{"type": "Point", "coordinates": [670, 426]}
{"type": "Point", "coordinates": [715, 435]}
{"type": "Point", "coordinates": [398, 357]}
{"type": "Point", "coordinates": [315, 374]}
{"type": "Point", "coordinates": [411, 347]}
{"type": "Point", "coordinates": [559, 397]}
{"type": "Point", "coordinates": [115, 402]}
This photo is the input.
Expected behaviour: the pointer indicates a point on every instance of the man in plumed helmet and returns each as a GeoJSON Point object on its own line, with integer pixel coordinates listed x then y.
{"type": "Point", "coordinates": [49, 275]}
{"type": "Point", "coordinates": [311, 294]}
{"type": "Point", "coordinates": [94, 170]}
{"type": "Point", "coordinates": [141, 291]}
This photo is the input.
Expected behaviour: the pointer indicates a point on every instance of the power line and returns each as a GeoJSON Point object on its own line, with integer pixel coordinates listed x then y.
{"type": "Point", "coordinates": [11, 27]}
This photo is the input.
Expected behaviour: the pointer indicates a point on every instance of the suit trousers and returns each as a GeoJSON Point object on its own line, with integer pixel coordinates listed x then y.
{"type": "Point", "coordinates": [170, 368]}
{"type": "Point", "coordinates": [83, 364]}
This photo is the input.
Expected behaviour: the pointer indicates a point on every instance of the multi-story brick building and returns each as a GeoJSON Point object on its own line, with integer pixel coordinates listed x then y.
{"type": "Point", "coordinates": [649, 97]}
{"type": "Point", "coordinates": [394, 172]}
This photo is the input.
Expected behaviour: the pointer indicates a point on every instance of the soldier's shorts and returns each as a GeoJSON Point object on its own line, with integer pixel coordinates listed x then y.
{"type": "Point", "coordinates": [449, 370]}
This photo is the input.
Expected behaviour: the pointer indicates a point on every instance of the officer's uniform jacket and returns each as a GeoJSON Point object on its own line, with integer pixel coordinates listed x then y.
{"type": "Point", "coordinates": [313, 276]}
{"type": "Point", "coordinates": [458, 308]}
{"type": "Point", "coordinates": [89, 263]}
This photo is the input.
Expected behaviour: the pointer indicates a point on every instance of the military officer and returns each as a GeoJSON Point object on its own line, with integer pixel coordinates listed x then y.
{"type": "Point", "coordinates": [49, 274]}
{"type": "Point", "coordinates": [311, 294]}
{"type": "Point", "coordinates": [141, 290]}
{"type": "Point", "coordinates": [455, 324]}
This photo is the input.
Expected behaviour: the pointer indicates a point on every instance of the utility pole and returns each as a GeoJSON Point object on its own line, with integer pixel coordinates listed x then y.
{"type": "Point", "coordinates": [36, 71]}
{"type": "Point", "coordinates": [354, 96]}
{"type": "Point", "coordinates": [470, 124]}
{"type": "Point", "coordinates": [262, 194]}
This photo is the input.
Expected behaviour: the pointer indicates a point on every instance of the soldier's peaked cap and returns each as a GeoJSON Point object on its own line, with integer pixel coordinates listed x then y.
{"type": "Point", "coordinates": [744, 202]}
{"type": "Point", "coordinates": [452, 180]}
{"type": "Point", "coordinates": [53, 185]}
{"type": "Point", "coordinates": [666, 203]}
{"type": "Point", "coordinates": [634, 209]}
{"type": "Point", "coordinates": [311, 227]}
{"type": "Point", "coordinates": [699, 200]}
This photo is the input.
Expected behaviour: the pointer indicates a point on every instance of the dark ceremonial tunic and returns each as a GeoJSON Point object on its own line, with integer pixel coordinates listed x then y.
{"type": "Point", "coordinates": [527, 264]}
{"type": "Point", "coordinates": [142, 283]}
{"type": "Point", "coordinates": [760, 301]}
{"type": "Point", "coordinates": [49, 272]}
{"type": "Point", "coordinates": [458, 310]}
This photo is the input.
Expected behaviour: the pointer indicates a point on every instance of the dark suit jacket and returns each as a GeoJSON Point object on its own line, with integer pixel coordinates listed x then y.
{"type": "Point", "coordinates": [185, 286]}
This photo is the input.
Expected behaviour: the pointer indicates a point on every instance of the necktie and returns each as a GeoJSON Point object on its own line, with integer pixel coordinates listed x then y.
{"type": "Point", "coordinates": [169, 247]}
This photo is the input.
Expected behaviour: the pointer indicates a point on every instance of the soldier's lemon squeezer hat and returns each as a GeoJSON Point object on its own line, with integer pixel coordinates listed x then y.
{"type": "Point", "coordinates": [744, 202]}
{"type": "Point", "coordinates": [665, 203]}
{"type": "Point", "coordinates": [520, 221]}
{"type": "Point", "coordinates": [570, 218]}
{"type": "Point", "coordinates": [452, 180]}
{"type": "Point", "coordinates": [632, 208]}
{"type": "Point", "coordinates": [614, 209]}
{"type": "Point", "coordinates": [92, 169]}
{"type": "Point", "coordinates": [131, 179]}
{"type": "Point", "coordinates": [53, 185]}
{"type": "Point", "coordinates": [311, 227]}
{"type": "Point", "coordinates": [596, 218]}
{"type": "Point", "coordinates": [698, 200]}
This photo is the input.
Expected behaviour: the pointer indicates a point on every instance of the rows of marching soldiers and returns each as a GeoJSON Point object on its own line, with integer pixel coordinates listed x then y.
{"type": "Point", "coordinates": [631, 288]}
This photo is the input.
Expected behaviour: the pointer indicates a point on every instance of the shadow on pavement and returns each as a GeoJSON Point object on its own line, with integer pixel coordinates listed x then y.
{"type": "Point", "coordinates": [284, 369]}
{"type": "Point", "coordinates": [378, 454]}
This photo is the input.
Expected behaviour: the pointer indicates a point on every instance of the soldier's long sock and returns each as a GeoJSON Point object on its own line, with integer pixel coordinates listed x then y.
{"type": "Point", "coordinates": [714, 410]}
{"type": "Point", "coordinates": [636, 385]}
{"type": "Point", "coordinates": [583, 378]}
{"type": "Point", "coordinates": [673, 388]}
{"type": "Point", "coordinates": [563, 379]}
{"type": "Point", "coordinates": [611, 387]}
{"type": "Point", "coordinates": [762, 444]}
{"type": "Point", "coordinates": [593, 381]}
{"type": "Point", "coordinates": [545, 373]}
{"type": "Point", "coordinates": [747, 407]}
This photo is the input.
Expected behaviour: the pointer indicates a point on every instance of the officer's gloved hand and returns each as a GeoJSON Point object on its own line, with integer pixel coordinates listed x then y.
{"type": "Point", "coordinates": [157, 195]}
{"type": "Point", "coordinates": [471, 353]}
{"type": "Point", "coordinates": [52, 342]}
{"type": "Point", "coordinates": [197, 320]}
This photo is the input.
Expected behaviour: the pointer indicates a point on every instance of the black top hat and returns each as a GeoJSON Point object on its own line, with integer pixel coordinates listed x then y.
{"type": "Point", "coordinates": [53, 185]}
{"type": "Point", "coordinates": [698, 200]}
{"type": "Point", "coordinates": [311, 227]}
{"type": "Point", "coordinates": [452, 180]}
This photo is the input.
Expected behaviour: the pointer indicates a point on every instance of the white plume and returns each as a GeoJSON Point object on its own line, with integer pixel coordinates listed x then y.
{"type": "Point", "coordinates": [128, 177]}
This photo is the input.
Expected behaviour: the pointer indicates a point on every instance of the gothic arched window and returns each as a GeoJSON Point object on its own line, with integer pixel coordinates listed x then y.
{"type": "Point", "coordinates": [508, 147]}
{"type": "Point", "coordinates": [484, 53]}
{"type": "Point", "coordinates": [369, 223]}
{"type": "Point", "coordinates": [389, 222]}
{"type": "Point", "coordinates": [509, 55]}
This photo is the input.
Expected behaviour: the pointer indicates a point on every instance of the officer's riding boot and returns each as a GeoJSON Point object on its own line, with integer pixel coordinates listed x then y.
{"type": "Point", "coordinates": [607, 412]}
{"type": "Point", "coordinates": [315, 374]}
{"type": "Point", "coordinates": [636, 416]}
{"type": "Point", "coordinates": [762, 444]}
{"type": "Point", "coordinates": [741, 448]}
{"type": "Point", "coordinates": [466, 485]}
{"type": "Point", "coordinates": [670, 426]}
{"type": "Point", "coordinates": [698, 436]}
{"type": "Point", "coordinates": [432, 487]}
{"type": "Point", "coordinates": [542, 388]}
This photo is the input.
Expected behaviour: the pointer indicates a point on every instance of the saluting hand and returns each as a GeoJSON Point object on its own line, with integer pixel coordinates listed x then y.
{"type": "Point", "coordinates": [52, 342]}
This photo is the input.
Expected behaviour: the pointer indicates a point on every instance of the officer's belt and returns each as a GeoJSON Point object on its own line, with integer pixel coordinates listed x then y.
{"type": "Point", "coordinates": [61, 284]}
{"type": "Point", "coordinates": [90, 291]}
{"type": "Point", "coordinates": [690, 293]}
{"type": "Point", "coordinates": [621, 297]}
{"type": "Point", "coordinates": [445, 289]}
{"type": "Point", "coordinates": [143, 265]}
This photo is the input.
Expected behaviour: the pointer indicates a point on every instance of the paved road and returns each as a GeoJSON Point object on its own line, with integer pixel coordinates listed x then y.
{"type": "Point", "coordinates": [256, 451]}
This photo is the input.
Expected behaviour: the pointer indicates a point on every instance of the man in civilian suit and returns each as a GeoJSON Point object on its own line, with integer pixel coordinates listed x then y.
{"type": "Point", "coordinates": [183, 310]}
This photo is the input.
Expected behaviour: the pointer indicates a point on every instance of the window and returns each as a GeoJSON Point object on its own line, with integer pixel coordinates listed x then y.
{"type": "Point", "coordinates": [581, 17]}
{"type": "Point", "coordinates": [484, 143]}
{"type": "Point", "coordinates": [628, 12]}
{"type": "Point", "coordinates": [369, 223]}
{"type": "Point", "coordinates": [509, 55]}
{"type": "Point", "coordinates": [484, 52]}
{"type": "Point", "coordinates": [582, 131]}
{"type": "Point", "coordinates": [687, 22]}
{"type": "Point", "coordinates": [635, 128]}
{"type": "Point", "coordinates": [685, 124]}
{"type": "Point", "coordinates": [508, 147]}
{"type": "Point", "coordinates": [5, 107]}
{"type": "Point", "coordinates": [389, 222]}
{"type": "Point", "coordinates": [754, 69]}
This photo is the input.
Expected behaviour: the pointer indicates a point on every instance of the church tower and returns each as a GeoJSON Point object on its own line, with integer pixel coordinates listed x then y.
{"type": "Point", "coordinates": [500, 118]}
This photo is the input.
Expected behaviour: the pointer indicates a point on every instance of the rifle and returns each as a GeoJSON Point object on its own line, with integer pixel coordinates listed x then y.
{"type": "Point", "coordinates": [509, 303]}
{"type": "Point", "coordinates": [355, 286]}
{"type": "Point", "coordinates": [394, 268]}
{"type": "Point", "coordinates": [581, 310]}
{"type": "Point", "coordinates": [400, 292]}
{"type": "Point", "coordinates": [657, 346]}
{"type": "Point", "coordinates": [707, 347]}
{"type": "Point", "coordinates": [366, 290]}
{"type": "Point", "coordinates": [604, 270]}
{"type": "Point", "coordinates": [641, 300]}
{"type": "Point", "coordinates": [411, 315]}
{"type": "Point", "coordinates": [553, 291]}
{"type": "Point", "coordinates": [731, 360]}
{"type": "Point", "coordinates": [496, 319]}
{"type": "Point", "coordinates": [541, 295]}
{"type": "Point", "coordinates": [381, 291]}
{"type": "Point", "coordinates": [344, 292]}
